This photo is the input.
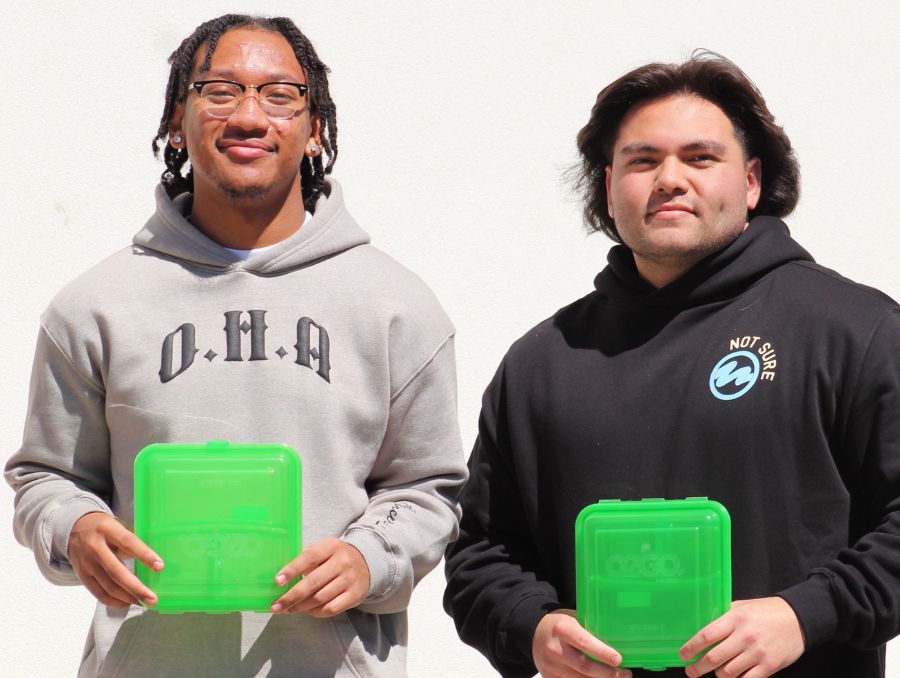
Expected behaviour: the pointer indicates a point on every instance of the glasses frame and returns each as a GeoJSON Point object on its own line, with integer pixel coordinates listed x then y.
{"type": "Point", "coordinates": [198, 85]}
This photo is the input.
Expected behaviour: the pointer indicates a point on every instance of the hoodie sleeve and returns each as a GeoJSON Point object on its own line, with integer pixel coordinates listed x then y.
{"type": "Point", "coordinates": [856, 597]}
{"type": "Point", "coordinates": [61, 472]}
{"type": "Point", "coordinates": [413, 510]}
{"type": "Point", "coordinates": [495, 593]}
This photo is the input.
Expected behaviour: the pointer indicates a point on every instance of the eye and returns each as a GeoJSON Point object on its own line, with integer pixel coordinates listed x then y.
{"type": "Point", "coordinates": [642, 162]}
{"type": "Point", "coordinates": [219, 93]}
{"type": "Point", "coordinates": [280, 94]}
{"type": "Point", "coordinates": [701, 159]}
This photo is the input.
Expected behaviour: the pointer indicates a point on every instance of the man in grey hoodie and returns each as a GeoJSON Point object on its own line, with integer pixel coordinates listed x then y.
{"type": "Point", "coordinates": [328, 346]}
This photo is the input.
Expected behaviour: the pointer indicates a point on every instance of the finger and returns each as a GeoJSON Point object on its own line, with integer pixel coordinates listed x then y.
{"type": "Point", "coordinates": [583, 665]}
{"type": "Point", "coordinates": [573, 634]}
{"type": "Point", "coordinates": [716, 657]}
{"type": "Point", "coordinates": [306, 587]}
{"type": "Point", "coordinates": [115, 570]}
{"type": "Point", "coordinates": [129, 545]}
{"type": "Point", "coordinates": [321, 597]}
{"type": "Point", "coordinates": [113, 589]}
{"type": "Point", "coordinates": [737, 666]}
{"type": "Point", "coordinates": [311, 558]}
{"type": "Point", "coordinates": [713, 632]}
{"type": "Point", "coordinates": [758, 671]}
{"type": "Point", "coordinates": [105, 590]}
{"type": "Point", "coordinates": [340, 603]}
{"type": "Point", "coordinates": [596, 670]}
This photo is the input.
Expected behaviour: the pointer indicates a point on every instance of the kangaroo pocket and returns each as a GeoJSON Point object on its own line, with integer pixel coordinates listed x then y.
{"type": "Point", "coordinates": [150, 644]}
{"type": "Point", "coordinates": [141, 644]}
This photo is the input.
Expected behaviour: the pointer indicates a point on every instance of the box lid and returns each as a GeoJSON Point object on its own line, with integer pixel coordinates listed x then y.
{"type": "Point", "coordinates": [651, 573]}
{"type": "Point", "coordinates": [224, 517]}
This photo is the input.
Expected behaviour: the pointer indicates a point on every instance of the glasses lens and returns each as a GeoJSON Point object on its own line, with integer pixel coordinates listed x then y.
{"type": "Point", "coordinates": [221, 99]}
{"type": "Point", "coordinates": [280, 100]}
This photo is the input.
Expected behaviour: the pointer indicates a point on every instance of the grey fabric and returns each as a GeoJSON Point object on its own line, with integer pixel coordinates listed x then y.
{"type": "Point", "coordinates": [321, 342]}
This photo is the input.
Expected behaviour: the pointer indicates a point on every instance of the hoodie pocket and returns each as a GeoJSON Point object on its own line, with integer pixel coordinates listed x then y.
{"type": "Point", "coordinates": [151, 644]}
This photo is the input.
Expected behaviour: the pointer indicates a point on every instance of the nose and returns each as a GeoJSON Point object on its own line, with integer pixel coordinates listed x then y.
{"type": "Point", "coordinates": [249, 116]}
{"type": "Point", "coordinates": [670, 177]}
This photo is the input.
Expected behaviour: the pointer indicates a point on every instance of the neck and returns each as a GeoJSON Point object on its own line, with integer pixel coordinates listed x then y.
{"type": "Point", "coordinates": [659, 274]}
{"type": "Point", "coordinates": [248, 222]}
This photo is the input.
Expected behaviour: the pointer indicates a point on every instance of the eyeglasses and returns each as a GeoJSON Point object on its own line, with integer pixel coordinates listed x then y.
{"type": "Point", "coordinates": [279, 100]}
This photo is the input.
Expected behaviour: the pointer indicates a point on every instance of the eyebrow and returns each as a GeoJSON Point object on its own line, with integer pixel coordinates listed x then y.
{"type": "Point", "coordinates": [699, 145]}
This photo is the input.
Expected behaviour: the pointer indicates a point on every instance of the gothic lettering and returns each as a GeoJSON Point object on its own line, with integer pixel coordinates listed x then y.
{"type": "Point", "coordinates": [234, 327]}
{"type": "Point", "coordinates": [188, 351]}
{"type": "Point", "coordinates": [305, 351]}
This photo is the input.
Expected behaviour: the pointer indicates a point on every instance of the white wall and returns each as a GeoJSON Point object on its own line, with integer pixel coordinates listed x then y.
{"type": "Point", "coordinates": [456, 121]}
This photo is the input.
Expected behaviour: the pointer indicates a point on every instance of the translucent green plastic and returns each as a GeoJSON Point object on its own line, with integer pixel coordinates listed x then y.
{"type": "Point", "coordinates": [651, 573]}
{"type": "Point", "coordinates": [223, 517]}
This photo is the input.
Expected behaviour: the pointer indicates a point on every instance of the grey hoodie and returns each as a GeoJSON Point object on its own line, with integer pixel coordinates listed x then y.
{"type": "Point", "coordinates": [321, 342]}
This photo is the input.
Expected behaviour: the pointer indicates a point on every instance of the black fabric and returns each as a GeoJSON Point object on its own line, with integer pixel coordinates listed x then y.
{"type": "Point", "coordinates": [615, 396]}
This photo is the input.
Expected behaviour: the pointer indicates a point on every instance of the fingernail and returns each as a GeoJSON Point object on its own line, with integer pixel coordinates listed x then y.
{"type": "Point", "coordinates": [616, 659]}
{"type": "Point", "coordinates": [280, 579]}
{"type": "Point", "coordinates": [158, 565]}
{"type": "Point", "coordinates": [277, 607]}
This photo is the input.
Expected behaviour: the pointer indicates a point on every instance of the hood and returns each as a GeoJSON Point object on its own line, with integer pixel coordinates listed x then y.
{"type": "Point", "coordinates": [765, 245]}
{"type": "Point", "coordinates": [331, 230]}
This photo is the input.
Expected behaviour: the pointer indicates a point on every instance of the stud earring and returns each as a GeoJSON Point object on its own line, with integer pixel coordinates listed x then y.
{"type": "Point", "coordinates": [314, 148]}
{"type": "Point", "coordinates": [177, 139]}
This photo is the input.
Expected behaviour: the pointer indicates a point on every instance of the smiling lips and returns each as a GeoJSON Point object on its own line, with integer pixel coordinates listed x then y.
{"type": "Point", "coordinates": [245, 149]}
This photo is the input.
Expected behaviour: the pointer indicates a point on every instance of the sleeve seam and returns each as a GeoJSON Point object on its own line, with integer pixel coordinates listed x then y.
{"type": "Point", "coordinates": [98, 387]}
{"type": "Point", "coordinates": [422, 367]}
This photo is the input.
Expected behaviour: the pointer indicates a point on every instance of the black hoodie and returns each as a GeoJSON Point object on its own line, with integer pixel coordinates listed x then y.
{"type": "Point", "coordinates": [758, 379]}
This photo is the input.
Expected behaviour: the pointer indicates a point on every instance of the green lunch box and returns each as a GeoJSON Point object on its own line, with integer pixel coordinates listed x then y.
{"type": "Point", "coordinates": [651, 573]}
{"type": "Point", "coordinates": [224, 517]}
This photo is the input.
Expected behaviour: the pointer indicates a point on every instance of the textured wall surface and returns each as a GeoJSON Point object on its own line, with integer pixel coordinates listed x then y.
{"type": "Point", "coordinates": [457, 122]}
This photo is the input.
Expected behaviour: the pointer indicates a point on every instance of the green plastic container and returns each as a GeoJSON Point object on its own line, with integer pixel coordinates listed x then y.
{"type": "Point", "coordinates": [223, 517]}
{"type": "Point", "coordinates": [651, 573]}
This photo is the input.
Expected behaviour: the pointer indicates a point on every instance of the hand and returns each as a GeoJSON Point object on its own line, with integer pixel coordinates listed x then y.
{"type": "Point", "coordinates": [756, 638]}
{"type": "Point", "coordinates": [96, 544]}
{"type": "Point", "coordinates": [335, 578]}
{"type": "Point", "coordinates": [557, 647]}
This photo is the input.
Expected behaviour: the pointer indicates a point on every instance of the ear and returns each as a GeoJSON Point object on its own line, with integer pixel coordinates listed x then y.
{"type": "Point", "coordinates": [609, 205]}
{"type": "Point", "coordinates": [175, 126]}
{"type": "Point", "coordinates": [754, 182]}
{"type": "Point", "coordinates": [315, 136]}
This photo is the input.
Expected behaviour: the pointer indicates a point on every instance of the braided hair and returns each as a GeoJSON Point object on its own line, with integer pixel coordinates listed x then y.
{"type": "Point", "coordinates": [312, 170]}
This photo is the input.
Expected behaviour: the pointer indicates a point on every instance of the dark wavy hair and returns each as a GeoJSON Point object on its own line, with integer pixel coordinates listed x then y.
{"type": "Point", "coordinates": [312, 170]}
{"type": "Point", "coordinates": [707, 75]}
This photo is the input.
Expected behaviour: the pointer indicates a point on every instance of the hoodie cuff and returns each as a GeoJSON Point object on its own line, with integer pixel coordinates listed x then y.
{"type": "Point", "coordinates": [379, 559]}
{"type": "Point", "coordinates": [57, 527]}
{"type": "Point", "coordinates": [813, 603]}
{"type": "Point", "coordinates": [517, 636]}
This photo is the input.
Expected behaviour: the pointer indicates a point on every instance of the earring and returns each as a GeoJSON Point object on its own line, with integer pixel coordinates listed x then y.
{"type": "Point", "coordinates": [314, 148]}
{"type": "Point", "coordinates": [177, 139]}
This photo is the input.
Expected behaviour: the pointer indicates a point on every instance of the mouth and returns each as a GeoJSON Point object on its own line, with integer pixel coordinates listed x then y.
{"type": "Point", "coordinates": [671, 211]}
{"type": "Point", "coordinates": [244, 149]}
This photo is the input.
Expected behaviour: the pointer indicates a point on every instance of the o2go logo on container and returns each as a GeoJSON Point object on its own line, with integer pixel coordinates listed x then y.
{"type": "Point", "coordinates": [644, 565]}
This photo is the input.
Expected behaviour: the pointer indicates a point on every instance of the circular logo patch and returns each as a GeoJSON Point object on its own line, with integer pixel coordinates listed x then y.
{"type": "Point", "coordinates": [734, 375]}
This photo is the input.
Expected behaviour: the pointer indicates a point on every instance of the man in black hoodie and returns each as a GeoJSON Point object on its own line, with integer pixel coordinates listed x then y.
{"type": "Point", "coordinates": [714, 358]}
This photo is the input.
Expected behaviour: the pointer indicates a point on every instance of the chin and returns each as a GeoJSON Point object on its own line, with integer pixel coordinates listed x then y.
{"type": "Point", "coordinates": [252, 192]}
